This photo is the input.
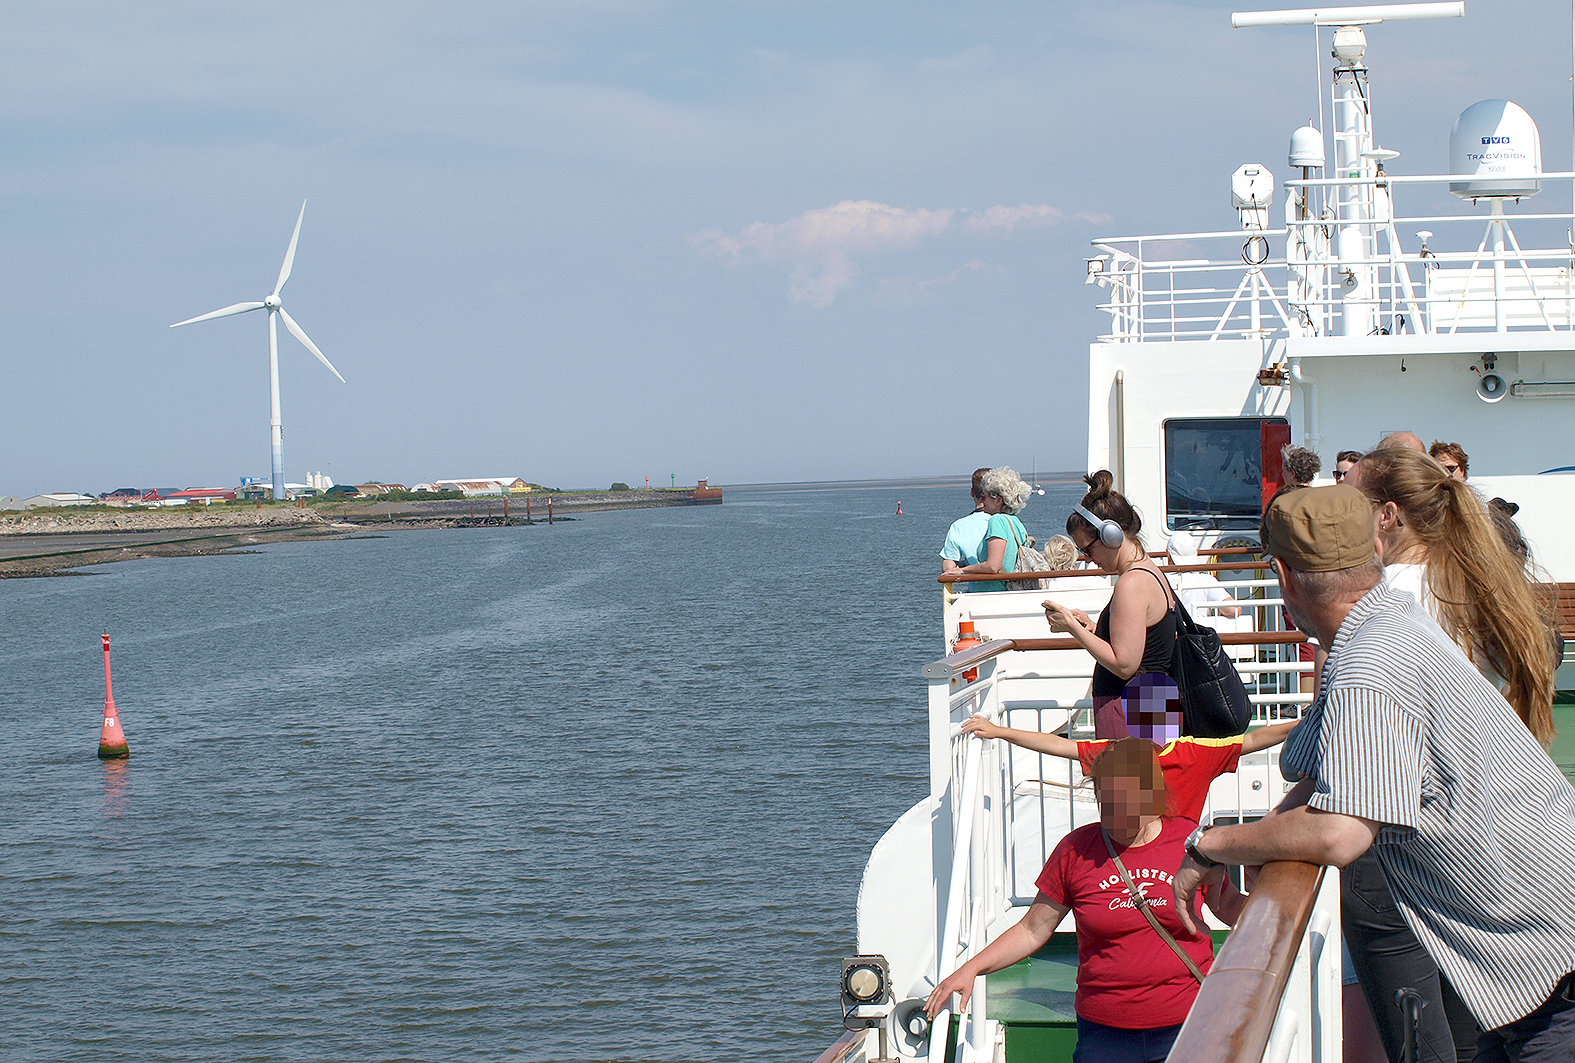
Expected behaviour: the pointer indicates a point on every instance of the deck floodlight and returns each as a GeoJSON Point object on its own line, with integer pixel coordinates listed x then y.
{"type": "Point", "coordinates": [1251, 193]}
{"type": "Point", "coordinates": [1096, 271]}
{"type": "Point", "coordinates": [865, 980]}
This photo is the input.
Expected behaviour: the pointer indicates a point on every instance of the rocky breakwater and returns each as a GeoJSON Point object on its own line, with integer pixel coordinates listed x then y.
{"type": "Point", "coordinates": [50, 542]}
{"type": "Point", "coordinates": [65, 522]}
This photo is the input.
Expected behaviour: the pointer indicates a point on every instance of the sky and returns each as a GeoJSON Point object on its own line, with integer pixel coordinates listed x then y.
{"type": "Point", "coordinates": [586, 241]}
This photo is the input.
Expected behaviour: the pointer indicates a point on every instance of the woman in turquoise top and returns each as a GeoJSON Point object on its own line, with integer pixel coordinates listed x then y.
{"type": "Point", "coordinates": [1005, 494]}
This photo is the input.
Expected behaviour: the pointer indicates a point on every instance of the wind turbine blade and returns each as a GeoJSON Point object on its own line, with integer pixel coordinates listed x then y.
{"type": "Point", "coordinates": [238, 308]}
{"type": "Point", "coordinates": [289, 256]}
{"type": "Point", "coordinates": [296, 331]}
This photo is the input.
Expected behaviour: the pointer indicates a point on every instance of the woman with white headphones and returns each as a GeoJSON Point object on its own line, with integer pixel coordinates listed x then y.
{"type": "Point", "coordinates": [1136, 633]}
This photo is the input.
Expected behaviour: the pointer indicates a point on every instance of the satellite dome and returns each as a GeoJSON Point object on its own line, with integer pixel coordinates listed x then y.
{"type": "Point", "coordinates": [1496, 142]}
{"type": "Point", "coordinates": [1307, 148]}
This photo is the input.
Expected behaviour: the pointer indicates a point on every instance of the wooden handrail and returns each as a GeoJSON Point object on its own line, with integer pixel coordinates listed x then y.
{"type": "Point", "coordinates": [997, 577]}
{"type": "Point", "coordinates": [1234, 1013]}
{"type": "Point", "coordinates": [842, 1047]}
{"type": "Point", "coordinates": [965, 660]}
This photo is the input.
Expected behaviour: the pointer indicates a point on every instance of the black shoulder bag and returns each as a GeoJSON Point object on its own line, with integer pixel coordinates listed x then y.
{"type": "Point", "coordinates": [1213, 700]}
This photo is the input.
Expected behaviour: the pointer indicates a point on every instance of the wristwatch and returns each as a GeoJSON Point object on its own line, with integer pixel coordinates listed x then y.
{"type": "Point", "coordinates": [1192, 849]}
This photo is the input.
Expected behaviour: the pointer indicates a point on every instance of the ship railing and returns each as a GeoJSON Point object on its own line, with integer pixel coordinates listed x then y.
{"type": "Point", "coordinates": [1003, 809]}
{"type": "Point", "coordinates": [1268, 660]}
{"type": "Point", "coordinates": [1288, 281]}
{"type": "Point", "coordinates": [1273, 994]}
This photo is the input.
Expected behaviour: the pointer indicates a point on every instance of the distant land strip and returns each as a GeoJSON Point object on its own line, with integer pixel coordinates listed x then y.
{"type": "Point", "coordinates": [56, 541]}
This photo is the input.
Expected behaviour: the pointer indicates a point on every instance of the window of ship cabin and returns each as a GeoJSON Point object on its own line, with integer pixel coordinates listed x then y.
{"type": "Point", "coordinates": [1214, 472]}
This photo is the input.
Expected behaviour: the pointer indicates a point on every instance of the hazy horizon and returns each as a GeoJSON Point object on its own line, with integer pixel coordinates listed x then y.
{"type": "Point", "coordinates": [587, 241]}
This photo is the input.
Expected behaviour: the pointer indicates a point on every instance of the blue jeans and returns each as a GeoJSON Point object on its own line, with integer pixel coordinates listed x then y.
{"type": "Point", "coordinates": [1097, 1043]}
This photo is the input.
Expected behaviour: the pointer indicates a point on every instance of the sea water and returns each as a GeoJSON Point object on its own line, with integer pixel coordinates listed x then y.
{"type": "Point", "coordinates": [601, 790]}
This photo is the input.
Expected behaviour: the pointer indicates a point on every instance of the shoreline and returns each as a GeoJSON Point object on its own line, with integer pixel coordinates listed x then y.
{"type": "Point", "coordinates": [57, 542]}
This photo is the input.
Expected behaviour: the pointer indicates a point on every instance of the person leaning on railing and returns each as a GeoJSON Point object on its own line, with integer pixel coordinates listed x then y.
{"type": "Point", "coordinates": [966, 535]}
{"type": "Point", "coordinates": [1004, 496]}
{"type": "Point", "coordinates": [1409, 750]}
{"type": "Point", "coordinates": [1133, 988]}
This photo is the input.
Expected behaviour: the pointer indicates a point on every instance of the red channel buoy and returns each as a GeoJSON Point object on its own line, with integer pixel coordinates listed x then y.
{"type": "Point", "coordinates": [111, 740]}
{"type": "Point", "coordinates": [899, 509]}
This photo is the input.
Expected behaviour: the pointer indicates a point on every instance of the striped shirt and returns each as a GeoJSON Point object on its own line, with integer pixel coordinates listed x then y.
{"type": "Point", "coordinates": [1478, 825]}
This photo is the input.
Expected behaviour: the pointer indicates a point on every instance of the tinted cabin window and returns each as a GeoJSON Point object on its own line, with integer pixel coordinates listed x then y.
{"type": "Point", "coordinates": [1214, 472]}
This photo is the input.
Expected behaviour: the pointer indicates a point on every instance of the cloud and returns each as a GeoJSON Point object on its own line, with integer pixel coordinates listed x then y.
{"type": "Point", "coordinates": [824, 246]}
{"type": "Point", "coordinates": [908, 291]}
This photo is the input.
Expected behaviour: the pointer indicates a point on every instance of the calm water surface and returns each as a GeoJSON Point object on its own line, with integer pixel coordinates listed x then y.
{"type": "Point", "coordinates": [595, 791]}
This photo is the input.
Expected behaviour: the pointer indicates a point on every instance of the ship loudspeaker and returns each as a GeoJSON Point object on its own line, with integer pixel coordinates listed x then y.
{"type": "Point", "coordinates": [1491, 387]}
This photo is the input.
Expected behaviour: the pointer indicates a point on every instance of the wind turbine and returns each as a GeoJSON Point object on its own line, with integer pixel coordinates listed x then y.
{"type": "Point", "coordinates": [275, 307]}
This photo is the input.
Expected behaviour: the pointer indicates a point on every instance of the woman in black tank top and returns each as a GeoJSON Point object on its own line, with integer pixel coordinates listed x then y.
{"type": "Point", "coordinates": [1136, 633]}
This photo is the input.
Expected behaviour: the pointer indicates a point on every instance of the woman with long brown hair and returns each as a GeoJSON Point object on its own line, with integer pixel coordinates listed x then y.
{"type": "Point", "coordinates": [1439, 542]}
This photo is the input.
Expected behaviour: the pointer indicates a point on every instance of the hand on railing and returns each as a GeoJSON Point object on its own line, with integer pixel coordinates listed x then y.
{"type": "Point", "coordinates": [1191, 879]}
{"type": "Point", "coordinates": [952, 994]}
{"type": "Point", "coordinates": [978, 725]}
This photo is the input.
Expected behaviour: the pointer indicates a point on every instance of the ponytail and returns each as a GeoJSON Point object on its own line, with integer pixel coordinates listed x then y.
{"type": "Point", "coordinates": [1486, 601]}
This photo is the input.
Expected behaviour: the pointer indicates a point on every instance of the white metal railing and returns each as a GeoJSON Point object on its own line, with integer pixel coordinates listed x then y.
{"type": "Point", "coordinates": [1006, 808]}
{"type": "Point", "coordinates": [1292, 281]}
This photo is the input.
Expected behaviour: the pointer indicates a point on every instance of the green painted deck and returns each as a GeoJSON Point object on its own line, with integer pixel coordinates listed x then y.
{"type": "Point", "coordinates": [1033, 999]}
{"type": "Point", "coordinates": [1563, 751]}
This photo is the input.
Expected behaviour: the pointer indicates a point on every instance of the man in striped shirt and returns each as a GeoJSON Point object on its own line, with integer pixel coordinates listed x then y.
{"type": "Point", "coordinates": [1411, 752]}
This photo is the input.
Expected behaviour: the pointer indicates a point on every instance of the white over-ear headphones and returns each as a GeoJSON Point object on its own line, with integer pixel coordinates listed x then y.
{"type": "Point", "coordinates": [1110, 532]}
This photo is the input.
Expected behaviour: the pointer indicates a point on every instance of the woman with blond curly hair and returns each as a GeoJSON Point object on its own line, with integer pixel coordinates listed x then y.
{"type": "Point", "coordinates": [1440, 543]}
{"type": "Point", "coordinates": [1003, 496]}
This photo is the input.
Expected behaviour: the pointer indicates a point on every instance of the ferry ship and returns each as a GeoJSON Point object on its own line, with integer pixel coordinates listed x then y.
{"type": "Point", "coordinates": [1323, 317]}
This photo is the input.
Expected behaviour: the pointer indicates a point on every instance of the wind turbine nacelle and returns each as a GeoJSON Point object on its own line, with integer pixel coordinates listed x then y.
{"type": "Point", "coordinates": [1496, 143]}
{"type": "Point", "coordinates": [273, 302]}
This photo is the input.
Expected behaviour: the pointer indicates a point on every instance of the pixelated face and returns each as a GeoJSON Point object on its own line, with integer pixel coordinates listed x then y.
{"type": "Point", "coordinates": [1153, 708]}
{"type": "Point", "coordinates": [1125, 800]}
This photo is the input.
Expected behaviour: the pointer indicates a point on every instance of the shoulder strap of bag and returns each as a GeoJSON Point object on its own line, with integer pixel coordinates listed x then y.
{"type": "Point", "coordinates": [1185, 625]}
{"type": "Point", "coordinates": [1142, 905]}
{"type": "Point", "coordinates": [1172, 599]}
{"type": "Point", "coordinates": [1011, 522]}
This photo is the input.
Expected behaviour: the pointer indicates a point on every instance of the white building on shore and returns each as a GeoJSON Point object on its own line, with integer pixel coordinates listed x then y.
{"type": "Point", "coordinates": [479, 486]}
{"type": "Point", "coordinates": [59, 498]}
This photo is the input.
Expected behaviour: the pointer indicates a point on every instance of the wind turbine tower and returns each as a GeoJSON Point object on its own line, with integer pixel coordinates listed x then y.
{"type": "Point", "coordinates": [275, 307]}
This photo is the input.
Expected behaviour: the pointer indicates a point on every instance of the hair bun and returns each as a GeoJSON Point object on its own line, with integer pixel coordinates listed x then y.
{"type": "Point", "coordinates": [1099, 485]}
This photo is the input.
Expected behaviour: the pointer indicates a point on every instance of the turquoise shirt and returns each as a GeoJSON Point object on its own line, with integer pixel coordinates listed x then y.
{"type": "Point", "coordinates": [1001, 527]}
{"type": "Point", "coordinates": [965, 544]}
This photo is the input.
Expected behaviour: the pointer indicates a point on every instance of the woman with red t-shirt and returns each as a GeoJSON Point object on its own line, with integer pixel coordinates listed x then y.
{"type": "Point", "coordinates": [1133, 990]}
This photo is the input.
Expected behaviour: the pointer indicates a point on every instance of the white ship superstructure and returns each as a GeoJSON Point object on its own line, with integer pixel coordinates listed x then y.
{"type": "Point", "coordinates": [1323, 317]}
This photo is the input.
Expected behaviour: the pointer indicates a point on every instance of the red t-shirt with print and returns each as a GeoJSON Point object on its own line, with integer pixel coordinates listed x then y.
{"type": "Point", "coordinates": [1188, 765]}
{"type": "Point", "coordinates": [1126, 975]}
